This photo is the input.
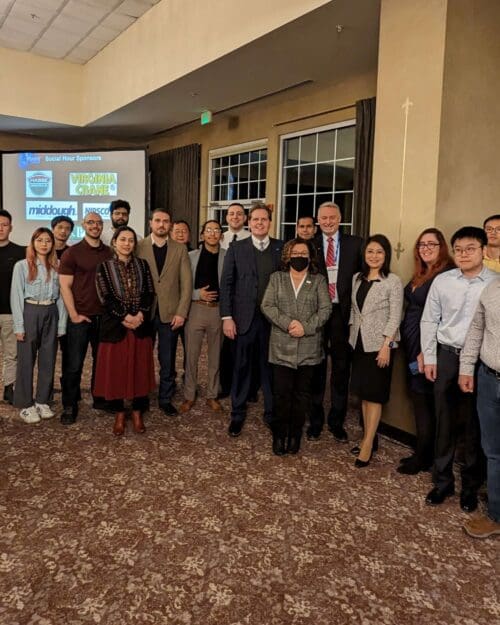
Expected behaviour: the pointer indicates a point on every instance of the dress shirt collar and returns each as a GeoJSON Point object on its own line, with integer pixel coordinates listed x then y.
{"type": "Point", "coordinates": [155, 241]}
{"type": "Point", "coordinates": [335, 238]}
{"type": "Point", "coordinates": [257, 243]}
{"type": "Point", "coordinates": [482, 275]}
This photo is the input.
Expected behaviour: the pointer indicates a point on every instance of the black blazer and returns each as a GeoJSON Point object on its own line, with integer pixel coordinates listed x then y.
{"type": "Point", "coordinates": [349, 264]}
{"type": "Point", "coordinates": [111, 329]}
{"type": "Point", "coordinates": [239, 282]}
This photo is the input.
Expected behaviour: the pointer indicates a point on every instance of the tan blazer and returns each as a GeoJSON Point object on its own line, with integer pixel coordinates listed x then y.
{"type": "Point", "coordinates": [381, 314]}
{"type": "Point", "coordinates": [173, 287]}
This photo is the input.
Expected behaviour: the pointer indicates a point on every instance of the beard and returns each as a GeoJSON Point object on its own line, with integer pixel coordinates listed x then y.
{"type": "Point", "coordinates": [120, 222]}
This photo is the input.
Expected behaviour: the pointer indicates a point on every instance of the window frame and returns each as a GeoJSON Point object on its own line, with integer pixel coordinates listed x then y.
{"type": "Point", "coordinates": [302, 133]}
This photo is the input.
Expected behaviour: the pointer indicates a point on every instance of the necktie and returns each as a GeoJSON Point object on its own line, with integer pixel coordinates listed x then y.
{"type": "Point", "coordinates": [330, 262]}
{"type": "Point", "coordinates": [235, 237]}
{"type": "Point", "coordinates": [261, 246]}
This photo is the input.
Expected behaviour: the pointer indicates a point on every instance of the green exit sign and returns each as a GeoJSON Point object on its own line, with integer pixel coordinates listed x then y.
{"type": "Point", "coordinates": [206, 117]}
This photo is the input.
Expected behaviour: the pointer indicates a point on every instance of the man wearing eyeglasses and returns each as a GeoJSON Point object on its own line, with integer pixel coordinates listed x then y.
{"type": "Point", "coordinates": [204, 316]}
{"type": "Point", "coordinates": [77, 280]}
{"type": "Point", "coordinates": [449, 309]}
{"type": "Point", "coordinates": [492, 250]}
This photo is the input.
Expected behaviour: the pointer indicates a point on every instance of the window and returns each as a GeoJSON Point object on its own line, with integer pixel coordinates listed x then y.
{"type": "Point", "coordinates": [237, 174]}
{"type": "Point", "coordinates": [317, 167]}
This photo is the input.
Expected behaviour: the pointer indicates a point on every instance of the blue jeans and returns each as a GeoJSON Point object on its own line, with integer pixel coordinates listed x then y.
{"type": "Point", "coordinates": [167, 347]}
{"type": "Point", "coordinates": [488, 407]}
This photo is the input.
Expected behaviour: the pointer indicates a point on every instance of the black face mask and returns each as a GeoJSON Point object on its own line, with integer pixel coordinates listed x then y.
{"type": "Point", "coordinates": [299, 263]}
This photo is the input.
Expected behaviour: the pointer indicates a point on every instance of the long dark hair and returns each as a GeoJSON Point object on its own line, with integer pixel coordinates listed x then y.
{"type": "Point", "coordinates": [287, 250]}
{"type": "Point", "coordinates": [423, 272]}
{"type": "Point", "coordinates": [50, 261]}
{"type": "Point", "coordinates": [385, 244]}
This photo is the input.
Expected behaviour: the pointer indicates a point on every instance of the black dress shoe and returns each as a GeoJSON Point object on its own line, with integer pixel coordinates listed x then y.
{"type": "Point", "coordinates": [361, 464]}
{"type": "Point", "coordinates": [437, 496]}
{"type": "Point", "coordinates": [339, 433]}
{"type": "Point", "coordinates": [355, 450]}
{"type": "Point", "coordinates": [294, 444]}
{"type": "Point", "coordinates": [8, 393]}
{"type": "Point", "coordinates": [411, 458]}
{"type": "Point", "coordinates": [313, 433]}
{"type": "Point", "coordinates": [468, 501]}
{"type": "Point", "coordinates": [169, 409]}
{"type": "Point", "coordinates": [279, 448]}
{"type": "Point", "coordinates": [235, 428]}
{"type": "Point", "coordinates": [413, 466]}
{"type": "Point", "coordinates": [69, 415]}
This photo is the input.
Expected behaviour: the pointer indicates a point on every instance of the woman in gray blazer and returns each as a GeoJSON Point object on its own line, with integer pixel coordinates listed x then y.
{"type": "Point", "coordinates": [297, 304]}
{"type": "Point", "coordinates": [377, 304]}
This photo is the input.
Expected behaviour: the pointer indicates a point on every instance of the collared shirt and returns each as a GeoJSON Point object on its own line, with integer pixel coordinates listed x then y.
{"type": "Point", "coordinates": [39, 290]}
{"type": "Point", "coordinates": [483, 337]}
{"type": "Point", "coordinates": [491, 263]}
{"type": "Point", "coordinates": [257, 243]}
{"type": "Point", "coordinates": [336, 244]}
{"type": "Point", "coordinates": [229, 237]}
{"type": "Point", "coordinates": [296, 290]}
{"type": "Point", "coordinates": [449, 309]}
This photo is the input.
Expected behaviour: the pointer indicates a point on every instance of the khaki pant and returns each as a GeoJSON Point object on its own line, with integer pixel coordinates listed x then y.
{"type": "Point", "coordinates": [202, 321]}
{"type": "Point", "coordinates": [9, 349]}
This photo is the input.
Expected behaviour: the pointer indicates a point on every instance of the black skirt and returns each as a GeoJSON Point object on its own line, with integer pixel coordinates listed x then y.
{"type": "Point", "coordinates": [369, 381]}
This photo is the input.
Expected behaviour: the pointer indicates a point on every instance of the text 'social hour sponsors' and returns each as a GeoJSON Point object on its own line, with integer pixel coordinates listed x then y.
{"type": "Point", "coordinates": [100, 183]}
{"type": "Point", "coordinates": [38, 183]}
{"type": "Point", "coordinates": [100, 208]}
{"type": "Point", "coordinates": [40, 210]}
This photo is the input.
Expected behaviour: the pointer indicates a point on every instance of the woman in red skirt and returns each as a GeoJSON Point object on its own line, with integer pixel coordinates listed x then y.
{"type": "Point", "coordinates": [124, 367]}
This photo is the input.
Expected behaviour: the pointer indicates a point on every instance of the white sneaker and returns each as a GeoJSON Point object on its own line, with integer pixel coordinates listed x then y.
{"type": "Point", "coordinates": [30, 415]}
{"type": "Point", "coordinates": [44, 411]}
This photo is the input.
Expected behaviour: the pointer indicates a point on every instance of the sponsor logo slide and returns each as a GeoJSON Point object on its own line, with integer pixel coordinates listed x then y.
{"type": "Point", "coordinates": [37, 210]}
{"type": "Point", "coordinates": [100, 183]}
{"type": "Point", "coordinates": [38, 184]}
{"type": "Point", "coordinates": [101, 208]}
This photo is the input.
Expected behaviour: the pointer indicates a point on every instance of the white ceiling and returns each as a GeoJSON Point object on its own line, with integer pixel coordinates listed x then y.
{"type": "Point", "coordinates": [73, 30]}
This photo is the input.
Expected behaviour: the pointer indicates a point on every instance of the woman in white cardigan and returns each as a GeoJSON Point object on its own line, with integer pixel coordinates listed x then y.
{"type": "Point", "coordinates": [377, 304]}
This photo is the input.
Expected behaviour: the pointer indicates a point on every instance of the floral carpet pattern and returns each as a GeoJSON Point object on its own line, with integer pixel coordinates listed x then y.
{"type": "Point", "coordinates": [186, 526]}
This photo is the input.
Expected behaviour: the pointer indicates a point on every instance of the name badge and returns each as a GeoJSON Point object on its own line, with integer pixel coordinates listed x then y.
{"type": "Point", "coordinates": [332, 274]}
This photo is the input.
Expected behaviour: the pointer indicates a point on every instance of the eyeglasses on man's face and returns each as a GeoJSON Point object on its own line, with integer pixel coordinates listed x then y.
{"type": "Point", "coordinates": [466, 251]}
{"type": "Point", "coordinates": [93, 222]}
{"type": "Point", "coordinates": [212, 230]}
{"type": "Point", "coordinates": [492, 229]}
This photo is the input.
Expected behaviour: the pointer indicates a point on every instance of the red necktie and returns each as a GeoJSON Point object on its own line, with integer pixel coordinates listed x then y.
{"type": "Point", "coordinates": [330, 262]}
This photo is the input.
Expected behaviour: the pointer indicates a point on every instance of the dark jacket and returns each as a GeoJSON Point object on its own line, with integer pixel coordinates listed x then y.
{"type": "Point", "coordinates": [109, 286]}
{"type": "Point", "coordinates": [239, 283]}
{"type": "Point", "coordinates": [349, 264]}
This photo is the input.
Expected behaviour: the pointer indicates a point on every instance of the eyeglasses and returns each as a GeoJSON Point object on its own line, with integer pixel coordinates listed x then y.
{"type": "Point", "coordinates": [212, 230]}
{"type": "Point", "coordinates": [467, 251]}
{"type": "Point", "coordinates": [430, 246]}
{"type": "Point", "coordinates": [93, 222]}
{"type": "Point", "coordinates": [491, 229]}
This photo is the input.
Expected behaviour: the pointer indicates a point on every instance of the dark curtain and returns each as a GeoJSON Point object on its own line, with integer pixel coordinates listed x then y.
{"type": "Point", "coordinates": [174, 179]}
{"type": "Point", "coordinates": [365, 132]}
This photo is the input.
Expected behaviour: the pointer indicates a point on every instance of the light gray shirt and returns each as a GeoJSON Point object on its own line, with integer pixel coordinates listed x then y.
{"type": "Point", "coordinates": [483, 337]}
{"type": "Point", "coordinates": [229, 237]}
{"type": "Point", "coordinates": [449, 308]}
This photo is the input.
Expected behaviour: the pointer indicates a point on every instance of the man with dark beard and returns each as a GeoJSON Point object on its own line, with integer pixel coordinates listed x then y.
{"type": "Point", "coordinates": [119, 212]}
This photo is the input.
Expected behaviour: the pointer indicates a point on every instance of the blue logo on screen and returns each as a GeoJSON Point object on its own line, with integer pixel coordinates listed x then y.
{"type": "Point", "coordinates": [25, 159]}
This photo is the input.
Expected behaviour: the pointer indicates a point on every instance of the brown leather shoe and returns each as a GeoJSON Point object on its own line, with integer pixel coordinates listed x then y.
{"type": "Point", "coordinates": [137, 422]}
{"type": "Point", "coordinates": [214, 405]}
{"type": "Point", "coordinates": [119, 426]}
{"type": "Point", "coordinates": [186, 405]}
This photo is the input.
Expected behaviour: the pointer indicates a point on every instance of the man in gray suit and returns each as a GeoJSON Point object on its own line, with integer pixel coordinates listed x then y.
{"type": "Point", "coordinates": [171, 271]}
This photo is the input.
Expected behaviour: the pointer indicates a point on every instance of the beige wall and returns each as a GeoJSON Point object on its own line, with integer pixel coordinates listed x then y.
{"type": "Point", "coordinates": [469, 180]}
{"type": "Point", "coordinates": [260, 120]}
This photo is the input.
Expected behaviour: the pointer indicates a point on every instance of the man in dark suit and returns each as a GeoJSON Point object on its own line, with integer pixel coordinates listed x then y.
{"type": "Point", "coordinates": [339, 258]}
{"type": "Point", "coordinates": [247, 268]}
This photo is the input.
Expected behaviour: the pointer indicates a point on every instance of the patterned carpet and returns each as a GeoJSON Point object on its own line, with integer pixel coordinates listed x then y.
{"type": "Point", "coordinates": [184, 525]}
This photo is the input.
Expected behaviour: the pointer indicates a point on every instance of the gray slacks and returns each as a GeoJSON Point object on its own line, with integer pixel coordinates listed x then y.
{"type": "Point", "coordinates": [9, 349]}
{"type": "Point", "coordinates": [40, 339]}
{"type": "Point", "coordinates": [203, 321]}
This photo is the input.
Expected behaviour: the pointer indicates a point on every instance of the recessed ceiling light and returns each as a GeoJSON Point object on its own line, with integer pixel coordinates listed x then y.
{"type": "Point", "coordinates": [35, 17]}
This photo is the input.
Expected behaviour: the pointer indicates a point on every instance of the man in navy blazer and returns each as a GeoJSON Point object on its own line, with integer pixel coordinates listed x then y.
{"type": "Point", "coordinates": [339, 258]}
{"type": "Point", "coordinates": [247, 267]}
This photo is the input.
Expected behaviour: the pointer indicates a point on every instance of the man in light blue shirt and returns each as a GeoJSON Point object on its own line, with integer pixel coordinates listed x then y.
{"type": "Point", "coordinates": [448, 312]}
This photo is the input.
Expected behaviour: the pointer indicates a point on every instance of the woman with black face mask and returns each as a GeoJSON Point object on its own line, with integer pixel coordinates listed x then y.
{"type": "Point", "coordinates": [297, 304]}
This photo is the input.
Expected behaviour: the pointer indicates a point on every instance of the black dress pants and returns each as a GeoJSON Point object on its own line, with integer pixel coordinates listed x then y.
{"type": "Point", "coordinates": [338, 349]}
{"type": "Point", "coordinates": [291, 399]}
{"type": "Point", "coordinates": [449, 400]}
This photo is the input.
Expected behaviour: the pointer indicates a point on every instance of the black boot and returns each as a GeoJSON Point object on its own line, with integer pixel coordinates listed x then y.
{"type": "Point", "coordinates": [8, 393]}
{"type": "Point", "coordinates": [279, 448]}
